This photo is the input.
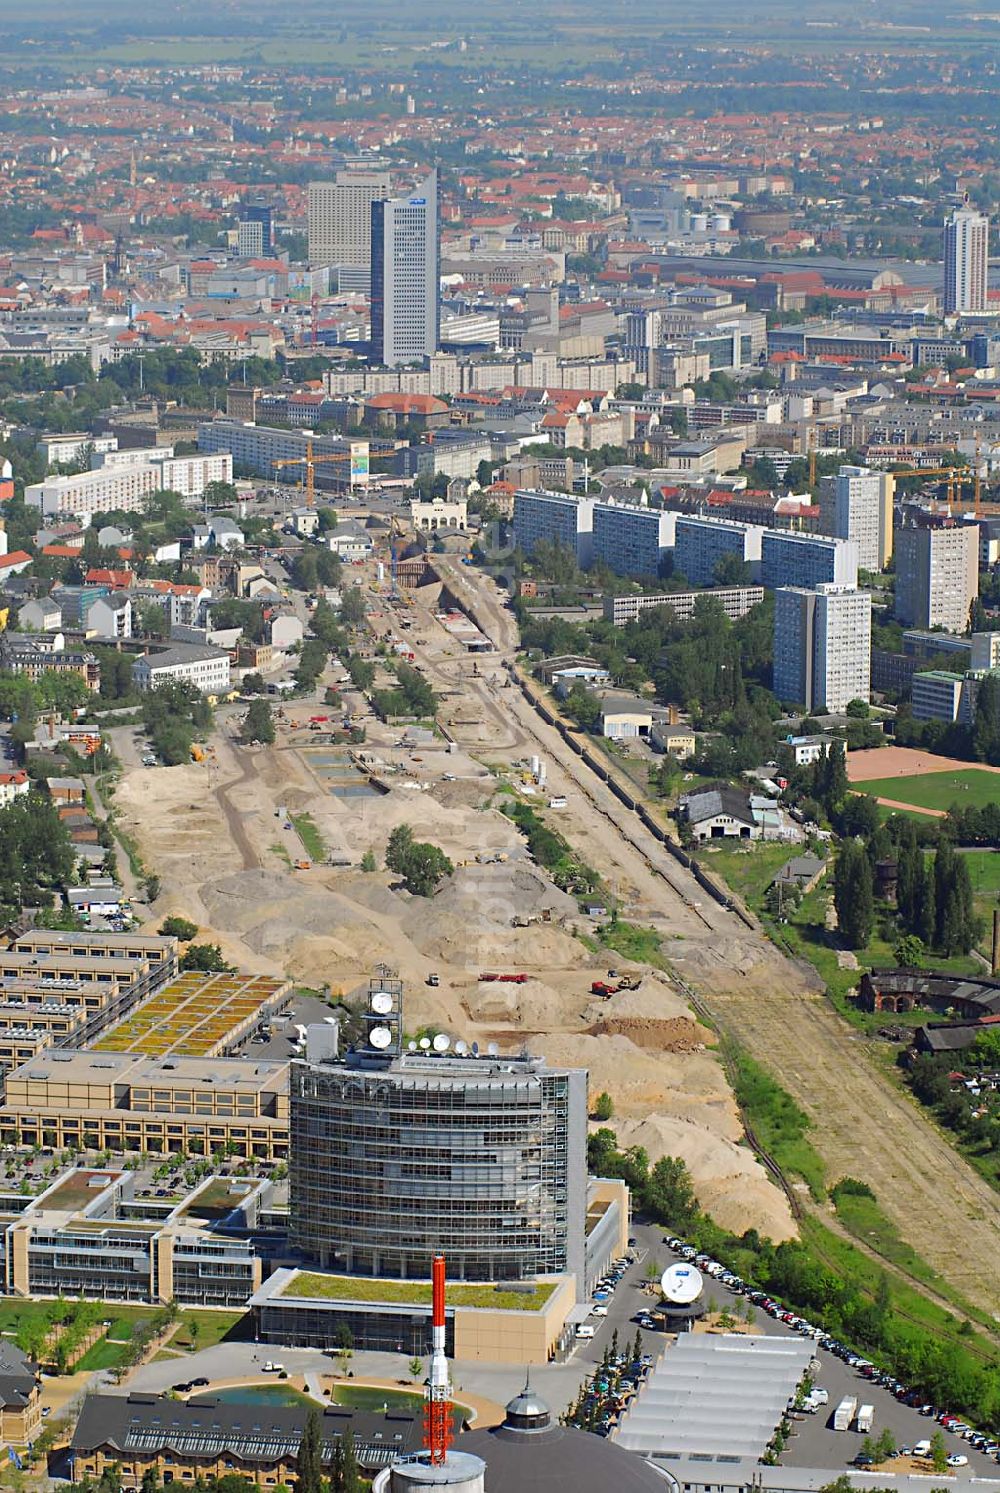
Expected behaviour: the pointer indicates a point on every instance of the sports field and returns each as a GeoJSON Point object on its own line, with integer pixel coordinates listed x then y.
{"type": "Point", "coordinates": [935, 792]}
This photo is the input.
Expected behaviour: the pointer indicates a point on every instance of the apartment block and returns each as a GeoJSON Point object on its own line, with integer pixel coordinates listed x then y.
{"type": "Point", "coordinates": [941, 695]}
{"type": "Point", "coordinates": [807, 560]}
{"type": "Point", "coordinates": [822, 646]}
{"type": "Point", "coordinates": [937, 574]}
{"type": "Point", "coordinates": [735, 601]}
{"type": "Point", "coordinates": [862, 511]}
{"type": "Point", "coordinates": [258, 449]}
{"type": "Point", "coordinates": [631, 540]}
{"type": "Point", "coordinates": [700, 543]}
{"type": "Point", "coordinates": [208, 669]}
{"type": "Point", "coordinates": [554, 518]}
{"type": "Point", "coordinates": [125, 486]}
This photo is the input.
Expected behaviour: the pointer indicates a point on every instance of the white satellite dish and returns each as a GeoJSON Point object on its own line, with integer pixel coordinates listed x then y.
{"type": "Point", "coordinates": [380, 1037]}
{"type": "Point", "coordinates": [441, 1042]}
{"type": "Point", "coordinates": [411, 1046]}
{"type": "Point", "coordinates": [681, 1285]}
{"type": "Point", "coordinates": [493, 1050]}
{"type": "Point", "coordinates": [425, 1044]}
{"type": "Point", "coordinates": [381, 1002]}
{"type": "Point", "coordinates": [461, 1047]}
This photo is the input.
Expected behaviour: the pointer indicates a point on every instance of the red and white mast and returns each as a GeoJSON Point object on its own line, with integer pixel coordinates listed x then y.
{"type": "Point", "coordinates": [438, 1422]}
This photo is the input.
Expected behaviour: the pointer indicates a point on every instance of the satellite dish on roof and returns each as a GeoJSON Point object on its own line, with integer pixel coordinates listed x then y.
{"type": "Point", "coordinates": [441, 1042]}
{"type": "Point", "coordinates": [493, 1050]}
{"type": "Point", "coordinates": [380, 1037]}
{"type": "Point", "coordinates": [681, 1285]}
{"type": "Point", "coordinates": [475, 1049]}
{"type": "Point", "coordinates": [411, 1046]}
{"type": "Point", "coordinates": [381, 1002]}
{"type": "Point", "coordinates": [461, 1047]}
{"type": "Point", "coordinates": [425, 1044]}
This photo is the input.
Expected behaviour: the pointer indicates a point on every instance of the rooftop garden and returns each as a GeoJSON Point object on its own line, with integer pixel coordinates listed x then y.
{"type": "Point", "coordinates": [418, 1292]}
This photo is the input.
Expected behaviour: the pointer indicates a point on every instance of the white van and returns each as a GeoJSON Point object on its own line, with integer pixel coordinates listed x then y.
{"type": "Point", "coordinates": [585, 1330]}
{"type": "Point", "coordinates": [922, 1449]}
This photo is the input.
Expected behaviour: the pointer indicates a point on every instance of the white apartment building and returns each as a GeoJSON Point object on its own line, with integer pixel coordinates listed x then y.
{"type": "Point", "coordinates": [256, 448]}
{"type": "Point", "coordinates": [340, 216]}
{"type": "Point", "coordinates": [862, 511]}
{"type": "Point", "coordinates": [188, 475]}
{"type": "Point", "coordinates": [822, 646]}
{"type": "Point", "coordinates": [937, 575]}
{"type": "Point", "coordinates": [80, 497]}
{"type": "Point", "coordinates": [64, 450]}
{"type": "Point", "coordinates": [130, 456]}
{"type": "Point", "coordinates": [700, 543]}
{"type": "Point", "coordinates": [735, 602]}
{"type": "Point", "coordinates": [966, 260]}
{"type": "Point", "coordinates": [555, 518]}
{"type": "Point", "coordinates": [206, 668]}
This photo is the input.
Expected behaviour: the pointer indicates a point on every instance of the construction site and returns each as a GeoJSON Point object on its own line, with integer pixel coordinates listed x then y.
{"type": "Point", "coordinates": [264, 849]}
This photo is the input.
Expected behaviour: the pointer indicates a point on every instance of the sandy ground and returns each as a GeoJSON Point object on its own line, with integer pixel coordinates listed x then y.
{"type": "Point", "coordinates": [903, 762]}
{"type": "Point", "coordinates": [222, 853]}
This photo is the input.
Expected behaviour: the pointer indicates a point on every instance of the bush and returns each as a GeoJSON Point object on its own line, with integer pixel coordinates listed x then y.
{"type": "Point", "coordinates": [180, 928]}
{"type": "Point", "coordinates": [852, 1188]}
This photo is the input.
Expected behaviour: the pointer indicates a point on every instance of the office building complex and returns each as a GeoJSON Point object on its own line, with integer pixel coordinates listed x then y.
{"type": "Point", "coordinates": [822, 646]}
{"type": "Point", "coordinates": [554, 518]}
{"type": "Point", "coordinates": [807, 560]}
{"type": "Point", "coordinates": [937, 573]}
{"type": "Point", "coordinates": [397, 1155]}
{"type": "Point", "coordinates": [862, 511]}
{"type": "Point", "coordinates": [966, 260]}
{"type": "Point", "coordinates": [405, 258]}
{"type": "Point", "coordinates": [340, 217]}
{"type": "Point", "coordinates": [255, 234]}
{"type": "Point", "coordinates": [700, 543]}
{"type": "Point", "coordinates": [632, 540]}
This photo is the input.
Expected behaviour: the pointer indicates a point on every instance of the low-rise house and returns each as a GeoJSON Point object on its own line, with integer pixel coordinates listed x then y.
{"type": "Point", "coordinates": [286, 630]}
{"type": "Point", "coordinates": [304, 522]}
{"type": "Point", "coordinates": [111, 616]}
{"type": "Point", "coordinates": [808, 749]}
{"type": "Point", "coordinates": [13, 785]}
{"type": "Point", "coordinates": [206, 668]}
{"type": "Point", "coordinates": [20, 1396]}
{"type": "Point", "coordinates": [351, 543]}
{"type": "Point", "coordinates": [66, 790]}
{"type": "Point", "coordinates": [803, 873]}
{"type": "Point", "coordinates": [677, 741]}
{"type": "Point", "coordinates": [40, 615]}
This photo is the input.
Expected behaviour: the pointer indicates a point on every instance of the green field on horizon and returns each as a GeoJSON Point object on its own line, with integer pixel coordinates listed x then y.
{"type": "Point", "coordinates": [970, 787]}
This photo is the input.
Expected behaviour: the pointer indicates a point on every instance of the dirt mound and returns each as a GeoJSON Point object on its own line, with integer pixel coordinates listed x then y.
{"type": "Point", "coordinates": [656, 999]}
{"type": "Point", "coordinates": [728, 1180]}
{"type": "Point", "coordinates": [676, 1034]}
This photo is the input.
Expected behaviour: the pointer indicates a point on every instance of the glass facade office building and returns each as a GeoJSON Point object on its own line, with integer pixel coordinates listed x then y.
{"type": "Point", "coordinates": [394, 1160]}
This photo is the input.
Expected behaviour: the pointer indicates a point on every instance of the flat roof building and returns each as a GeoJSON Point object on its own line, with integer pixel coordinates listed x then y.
{"type": "Point", "coordinates": [700, 544]}
{"type": "Point", "coordinates": [554, 518]}
{"type": "Point", "coordinates": [807, 560]}
{"type": "Point", "coordinates": [822, 646]}
{"type": "Point", "coordinates": [937, 574]}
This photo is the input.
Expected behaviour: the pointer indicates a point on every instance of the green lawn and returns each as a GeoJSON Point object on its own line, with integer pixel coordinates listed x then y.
{"type": "Point", "coordinates": [632, 941]}
{"type": "Point", "coordinates": [310, 836]}
{"type": "Point", "coordinates": [416, 1292]}
{"type": "Point", "coordinates": [103, 1355]}
{"type": "Point", "coordinates": [971, 787]}
{"type": "Point", "coordinates": [213, 1326]}
{"type": "Point", "coordinates": [747, 868]}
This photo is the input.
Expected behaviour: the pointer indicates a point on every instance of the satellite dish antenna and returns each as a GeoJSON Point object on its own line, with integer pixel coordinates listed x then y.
{"type": "Point", "coordinates": [425, 1044]}
{"type": "Point", "coordinates": [681, 1285]}
{"type": "Point", "coordinates": [475, 1049]}
{"type": "Point", "coordinates": [411, 1046]}
{"type": "Point", "coordinates": [380, 1037]}
{"type": "Point", "coordinates": [381, 1002]}
{"type": "Point", "coordinates": [461, 1047]}
{"type": "Point", "coordinates": [442, 1042]}
{"type": "Point", "coordinates": [493, 1050]}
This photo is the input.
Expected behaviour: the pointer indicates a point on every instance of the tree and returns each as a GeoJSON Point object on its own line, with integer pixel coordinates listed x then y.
{"type": "Point", "coordinates": [669, 1193]}
{"type": "Point", "coordinates": [908, 951]}
{"type": "Point", "coordinates": [853, 895]}
{"type": "Point", "coordinates": [309, 1462]}
{"type": "Point", "coordinates": [368, 861]}
{"type": "Point", "coordinates": [955, 926]}
{"type": "Point", "coordinates": [416, 1368]}
{"type": "Point", "coordinates": [939, 1453]}
{"type": "Point", "coordinates": [885, 1447]}
{"type": "Point", "coordinates": [583, 707]}
{"type": "Point", "coordinates": [253, 684]}
{"type": "Point", "coordinates": [203, 956]}
{"type": "Point", "coordinates": [350, 1474]}
{"type": "Point", "coordinates": [182, 928]}
{"type": "Point", "coordinates": [352, 606]}
{"type": "Point", "coordinates": [730, 570]}
{"type": "Point", "coordinates": [153, 620]}
{"type": "Point", "coordinates": [259, 724]}
{"type": "Point", "coordinates": [603, 1107]}
{"type": "Point", "coordinates": [420, 864]}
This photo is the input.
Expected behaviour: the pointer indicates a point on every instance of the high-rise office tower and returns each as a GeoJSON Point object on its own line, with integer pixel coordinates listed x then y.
{"type": "Point", "coordinates": [340, 216]}
{"type": "Point", "coordinates": [822, 645]}
{"type": "Point", "coordinates": [397, 1155]}
{"type": "Point", "coordinates": [406, 276]}
{"type": "Point", "coordinates": [862, 511]}
{"type": "Point", "coordinates": [966, 256]}
{"type": "Point", "coordinates": [255, 236]}
{"type": "Point", "coordinates": [937, 573]}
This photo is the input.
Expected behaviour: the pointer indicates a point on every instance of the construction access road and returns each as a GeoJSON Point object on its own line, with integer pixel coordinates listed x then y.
{"type": "Point", "coordinates": [863, 1125]}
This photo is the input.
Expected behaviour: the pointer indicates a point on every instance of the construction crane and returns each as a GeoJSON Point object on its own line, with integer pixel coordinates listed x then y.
{"type": "Point", "coordinates": [956, 478]}
{"type": "Point", "coordinates": [310, 462]}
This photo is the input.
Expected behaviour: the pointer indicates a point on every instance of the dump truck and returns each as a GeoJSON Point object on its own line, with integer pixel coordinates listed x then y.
{"type": "Point", "coordinates": [197, 753]}
{"type": "Point", "coordinates": [303, 865]}
{"type": "Point", "coordinates": [845, 1413]}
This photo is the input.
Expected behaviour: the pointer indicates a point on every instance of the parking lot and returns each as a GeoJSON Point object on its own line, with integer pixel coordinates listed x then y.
{"type": "Point", "coordinates": [812, 1442]}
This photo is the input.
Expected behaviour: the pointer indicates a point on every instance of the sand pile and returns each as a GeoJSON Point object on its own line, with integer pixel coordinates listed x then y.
{"type": "Point", "coordinates": [531, 1007]}
{"type": "Point", "coordinates": [676, 1034]}
{"type": "Point", "coordinates": [729, 1182]}
{"type": "Point", "coordinates": [655, 1000]}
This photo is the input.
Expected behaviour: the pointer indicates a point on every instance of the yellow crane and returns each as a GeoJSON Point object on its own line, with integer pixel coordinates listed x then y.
{"type": "Point", "coordinates": [310, 462]}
